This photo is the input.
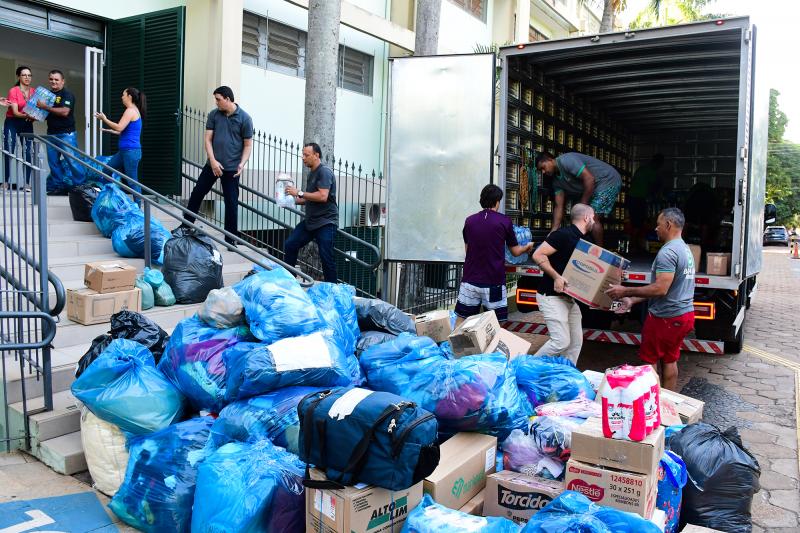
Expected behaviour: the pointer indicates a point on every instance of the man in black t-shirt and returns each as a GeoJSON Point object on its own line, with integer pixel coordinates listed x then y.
{"type": "Point", "coordinates": [561, 313]}
{"type": "Point", "coordinates": [322, 213]}
{"type": "Point", "coordinates": [65, 172]}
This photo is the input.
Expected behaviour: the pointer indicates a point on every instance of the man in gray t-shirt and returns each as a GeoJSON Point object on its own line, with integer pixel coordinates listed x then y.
{"type": "Point", "coordinates": [322, 213]}
{"type": "Point", "coordinates": [228, 143]}
{"type": "Point", "coordinates": [589, 180]}
{"type": "Point", "coordinates": [670, 296]}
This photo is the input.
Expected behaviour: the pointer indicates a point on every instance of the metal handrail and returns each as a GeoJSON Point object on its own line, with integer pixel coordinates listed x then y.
{"type": "Point", "coordinates": [61, 295]}
{"type": "Point", "coordinates": [265, 260]}
{"type": "Point", "coordinates": [48, 330]}
{"type": "Point", "coordinates": [372, 266]}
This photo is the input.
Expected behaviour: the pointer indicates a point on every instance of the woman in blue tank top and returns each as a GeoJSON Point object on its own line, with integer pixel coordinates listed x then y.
{"type": "Point", "coordinates": [129, 129]}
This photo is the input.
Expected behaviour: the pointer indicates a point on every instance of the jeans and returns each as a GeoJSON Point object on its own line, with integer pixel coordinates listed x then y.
{"type": "Point", "coordinates": [230, 192]}
{"type": "Point", "coordinates": [323, 236]}
{"type": "Point", "coordinates": [563, 318]}
{"type": "Point", "coordinates": [11, 129]}
{"type": "Point", "coordinates": [64, 172]}
{"type": "Point", "coordinates": [127, 162]}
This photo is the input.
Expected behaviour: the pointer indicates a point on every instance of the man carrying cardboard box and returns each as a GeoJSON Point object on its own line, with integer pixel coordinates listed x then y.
{"type": "Point", "coordinates": [561, 313]}
{"type": "Point", "coordinates": [486, 235]}
{"type": "Point", "coordinates": [670, 299]}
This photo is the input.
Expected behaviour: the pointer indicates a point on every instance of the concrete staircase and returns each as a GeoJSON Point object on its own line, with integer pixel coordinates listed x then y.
{"type": "Point", "coordinates": [55, 435]}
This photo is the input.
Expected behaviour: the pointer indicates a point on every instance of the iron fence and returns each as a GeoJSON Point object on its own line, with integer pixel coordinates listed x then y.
{"type": "Point", "coordinates": [360, 194]}
{"type": "Point", "coordinates": [27, 326]}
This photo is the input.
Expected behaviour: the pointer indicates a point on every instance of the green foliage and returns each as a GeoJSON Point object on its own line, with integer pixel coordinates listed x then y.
{"type": "Point", "coordinates": [783, 166]}
{"type": "Point", "coordinates": [671, 12]}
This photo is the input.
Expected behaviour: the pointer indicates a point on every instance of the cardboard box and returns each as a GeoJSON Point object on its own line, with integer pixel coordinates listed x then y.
{"type": "Point", "coordinates": [358, 509]}
{"type": "Point", "coordinates": [509, 344]}
{"type": "Point", "coordinates": [626, 491]}
{"type": "Point", "coordinates": [466, 460]}
{"type": "Point", "coordinates": [475, 335]}
{"type": "Point", "coordinates": [518, 496]}
{"type": "Point", "coordinates": [435, 325]}
{"type": "Point", "coordinates": [689, 409]}
{"type": "Point", "coordinates": [718, 264]}
{"type": "Point", "coordinates": [86, 306]}
{"type": "Point", "coordinates": [109, 276]}
{"type": "Point", "coordinates": [696, 254]}
{"type": "Point", "coordinates": [590, 446]}
{"type": "Point", "coordinates": [589, 273]}
{"type": "Point", "coordinates": [475, 505]}
{"type": "Point", "coordinates": [669, 413]}
{"type": "Point", "coordinates": [698, 529]}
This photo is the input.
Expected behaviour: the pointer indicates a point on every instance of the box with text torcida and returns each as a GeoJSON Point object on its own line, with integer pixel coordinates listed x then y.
{"type": "Point", "coordinates": [589, 273]}
{"type": "Point", "coordinates": [466, 460]}
{"type": "Point", "coordinates": [358, 509]}
{"type": "Point", "coordinates": [518, 496]}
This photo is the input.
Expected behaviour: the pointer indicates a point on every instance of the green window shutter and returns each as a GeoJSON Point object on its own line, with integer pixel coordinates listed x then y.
{"type": "Point", "coordinates": [146, 52]}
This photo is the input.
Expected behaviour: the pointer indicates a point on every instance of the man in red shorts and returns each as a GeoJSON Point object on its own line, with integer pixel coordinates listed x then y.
{"type": "Point", "coordinates": [670, 298]}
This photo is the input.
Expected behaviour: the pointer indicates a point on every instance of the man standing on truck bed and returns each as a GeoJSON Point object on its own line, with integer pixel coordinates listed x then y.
{"type": "Point", "coordinates": [670, 299]}
{"type": "Point", "coordinates": [597, 183]}
{"type": "Point", "coordinates": [561, 313]}
{"type": "Point", "coordinates": [486, 235]}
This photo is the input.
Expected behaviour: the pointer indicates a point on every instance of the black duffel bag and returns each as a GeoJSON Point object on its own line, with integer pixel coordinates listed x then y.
{"type": "Point", "coordinates": [357, 435]}
{"type": "Point", "coordinates": [81, 200]}
{"type": "Point", "coordinates": [192, 266]}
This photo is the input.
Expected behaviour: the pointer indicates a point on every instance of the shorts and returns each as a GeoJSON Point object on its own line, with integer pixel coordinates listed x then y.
{"type": "Point", "coordinates": [604, 200]}
{"type": "Point", "coordinates": [662, 337]}
{"type": "Point", "coordinates": [472, 297]}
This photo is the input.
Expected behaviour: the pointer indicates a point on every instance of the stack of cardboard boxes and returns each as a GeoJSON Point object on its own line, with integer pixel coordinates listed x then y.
{"type": "Point", "coordinates": [109, 289]}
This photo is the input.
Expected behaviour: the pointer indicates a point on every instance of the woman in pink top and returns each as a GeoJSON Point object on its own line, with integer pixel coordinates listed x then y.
{"type": "Point", "coordinates": [17, 122]}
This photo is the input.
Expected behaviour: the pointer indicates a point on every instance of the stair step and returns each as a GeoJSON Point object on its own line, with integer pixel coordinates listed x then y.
{"type": "Point", "coordinates": [63, 363]}
{"type": "Point", "coordinates": [63, 419]}
{"type": "Point", "coordinates": [63, 454]}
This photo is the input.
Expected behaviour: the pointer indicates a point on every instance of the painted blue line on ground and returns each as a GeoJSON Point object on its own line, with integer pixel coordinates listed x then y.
{"type": "Point", "coordinates": [73, 513]}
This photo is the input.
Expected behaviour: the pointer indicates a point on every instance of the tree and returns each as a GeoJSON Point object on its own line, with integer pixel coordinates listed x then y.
{"type": "Point", "coordinates": [611, 8]}
{"type": "Point", "coordinates": [671, 12]}
{"type": "Point", "coordinates": [777, 118]}
{"type": "Point", "coordinates": [783, 166]}
{"type": "Point", "coordinates": [319, 123]}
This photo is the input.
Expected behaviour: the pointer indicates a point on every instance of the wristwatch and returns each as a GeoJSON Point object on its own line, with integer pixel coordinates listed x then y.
{"type": "Point", "coordinates": [300, 194]}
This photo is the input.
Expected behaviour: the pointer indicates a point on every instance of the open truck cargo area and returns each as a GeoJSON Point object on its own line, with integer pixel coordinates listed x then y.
{"type": "Point", "coordinates": [687, 92]}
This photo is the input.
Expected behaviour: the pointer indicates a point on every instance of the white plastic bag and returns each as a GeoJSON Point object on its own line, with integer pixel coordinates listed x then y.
{"type": "Point", "coordinates": [106, 455]}
{"type": "Point", "coordinates": [281, 182]}
{"type": "Point", "coordinates": [222, 309]}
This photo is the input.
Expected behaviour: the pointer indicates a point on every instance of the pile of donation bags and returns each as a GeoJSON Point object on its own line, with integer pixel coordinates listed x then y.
{"type": "Point", "coordinates": [216, 427]}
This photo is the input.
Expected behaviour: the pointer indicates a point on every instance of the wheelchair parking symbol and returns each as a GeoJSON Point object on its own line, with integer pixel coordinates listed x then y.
{"type": "Point", "coordinates": [74, 513]}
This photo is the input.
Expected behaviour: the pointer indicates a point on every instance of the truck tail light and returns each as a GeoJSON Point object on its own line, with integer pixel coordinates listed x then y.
{"type": "Point", "coordinates": [705, 310]}
{"type": "Point", "coordinates": [527, 297]}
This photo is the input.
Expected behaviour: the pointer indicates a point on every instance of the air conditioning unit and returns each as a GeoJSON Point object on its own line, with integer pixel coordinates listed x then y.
{"type": "Point", "coordinates": [371, 214]}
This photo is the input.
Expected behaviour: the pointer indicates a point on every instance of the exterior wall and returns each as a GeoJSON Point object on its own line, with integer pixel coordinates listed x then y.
{"type": "Point", "coordinates": [117, 9]}
{"type": "Point", "coordinates": [460, 32]}
{"type": "Point", "coordinates": [276, 100]}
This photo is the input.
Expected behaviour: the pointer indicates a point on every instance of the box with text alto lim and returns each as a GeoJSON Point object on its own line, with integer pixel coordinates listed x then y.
{"type": "Point", "coordinates": [590, 271]}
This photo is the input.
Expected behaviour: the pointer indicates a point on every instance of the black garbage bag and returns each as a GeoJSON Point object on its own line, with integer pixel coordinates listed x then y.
{"type": "Point", "coordinates": [723, 477]}
{"type": "Point", "coordinates": [99, 344]}
{"type": "Point", "coordinates": [377, 315]}
{"type": "Point", "coordinates": [137, 327]}
{"type": "Point", "coordinates": [192, 266]}
{"type": "Point", "coordinates": [81, 200]}
{"type": "Point", "coordinates": [369, 338]}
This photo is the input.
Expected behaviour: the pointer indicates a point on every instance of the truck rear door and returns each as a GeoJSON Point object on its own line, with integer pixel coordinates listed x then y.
{"type": "Point", "coordinates": [440, 152]}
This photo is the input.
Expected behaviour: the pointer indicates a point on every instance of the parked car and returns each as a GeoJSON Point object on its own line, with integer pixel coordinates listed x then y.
{"type": "Point", "coordinates": [776, 235]}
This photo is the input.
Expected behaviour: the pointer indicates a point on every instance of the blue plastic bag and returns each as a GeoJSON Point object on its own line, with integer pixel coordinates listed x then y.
{"type": "Point", "coordinates": [672, 477]}
{"type": "Point", "coordinates": [193, 362]}
{"type": "Point", "coordinates": [158, 491]}
{"type": "Point", "coordinates": [276, 306]}
{"type": "Point", "coordinates": [270, 416]}
{"type": "Point", "coordinates": [111, 209]}
{"type": "Point", "coordinates": [337, 310]}
{"type": "Point", "coordinates": [128, 239]}
{"type": "Point", "coordinates": [430, 517]}
{"type": "Point", "coordinates": [65, 172]}
{"type": "Point", "coordinates": [123, 387]}
{"type": "Point", "coordinates": [574, 512]}
{"type": "Point", "coordinates": [476, 393]}
{"type": "Point", "coordinates": [312, 360]}
{"type": "Point", "coordinates": [249, 488]}
{"type": "Point", "coordinates": [523, 237]}
{"type": "Point", "coordinates": [550, 379]}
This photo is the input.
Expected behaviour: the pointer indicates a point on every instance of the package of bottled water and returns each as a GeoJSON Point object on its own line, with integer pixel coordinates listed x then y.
{"type": "Point", "coordinates": [34, 112]}
{"type": "Point", "coordinates": [523, 237]}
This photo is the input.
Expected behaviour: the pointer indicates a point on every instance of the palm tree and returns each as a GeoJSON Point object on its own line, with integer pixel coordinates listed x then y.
{"type": "Point", "coordinates": [670, 12]}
